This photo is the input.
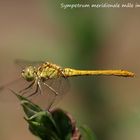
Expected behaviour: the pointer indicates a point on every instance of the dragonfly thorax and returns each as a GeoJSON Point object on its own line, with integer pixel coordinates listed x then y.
{"type": "Point", "coordinates": [29, 73]}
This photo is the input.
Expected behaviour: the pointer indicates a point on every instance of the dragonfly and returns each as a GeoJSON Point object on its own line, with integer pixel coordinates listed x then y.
{"type": "Point", "coordinates": [46, 74]}
{"type": "Point", "coordinates": [47, 71]}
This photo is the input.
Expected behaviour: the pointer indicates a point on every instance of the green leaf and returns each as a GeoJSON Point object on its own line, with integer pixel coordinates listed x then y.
{"type": "Point", "coordinates": [55, 125]}
{"type": "Point", "coordinates": [63, 123]}
{"type": "Point", "coordinates": [29, 108]}
{"type": "Point", "coordinates": [43, 126]}
{"type": "Point", "coordinates": [87, 133]}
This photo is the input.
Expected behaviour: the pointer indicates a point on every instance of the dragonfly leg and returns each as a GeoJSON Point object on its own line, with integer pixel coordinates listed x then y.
{"type": "Point", "coordinates": [37, 88]}
{"type": "Point", "coordinates": [26, 88]}
{"type": "Point", "coordinates": [56, 93]}
{"type": "Point", "coordinates": [50, 106]}
{"type": "Point", "coordinates": [40, 89]}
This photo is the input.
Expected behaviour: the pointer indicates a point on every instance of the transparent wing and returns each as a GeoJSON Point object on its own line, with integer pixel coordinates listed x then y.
{"type": "Point", "coordinates": [15, 85]}
{"type": "Point", "coordinates": [61, 86]}
{"type": "Point", "coordinates": [46, 98]}
{"type": "Point", "coordinates": [24, 63]}
{"type": "Point", "coordinates": [49, 88]}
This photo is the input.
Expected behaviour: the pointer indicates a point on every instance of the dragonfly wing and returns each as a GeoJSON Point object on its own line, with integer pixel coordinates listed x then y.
{"type": "Point", "coordinates": [15, 85]}
{"type": "Point", "coordinates": [48, 97]}
{"type": "Point", "coordinates": [24, 63]}
{"type": "Point", "coordinates": [59, 85]}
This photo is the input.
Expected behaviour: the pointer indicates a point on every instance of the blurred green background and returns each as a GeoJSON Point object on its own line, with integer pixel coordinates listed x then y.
{"type": "Point", "coordinates": [79, 38]}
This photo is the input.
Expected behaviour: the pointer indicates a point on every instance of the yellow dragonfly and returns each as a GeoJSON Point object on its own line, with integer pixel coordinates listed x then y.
{"type": "Point", "coordinates": [46, 71]}
{"type": "Point", "coordinates": [53, 76]}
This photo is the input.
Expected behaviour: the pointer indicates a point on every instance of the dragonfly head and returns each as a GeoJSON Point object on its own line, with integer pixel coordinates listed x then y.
{"type": "Point", "coordinates": [29, 73]}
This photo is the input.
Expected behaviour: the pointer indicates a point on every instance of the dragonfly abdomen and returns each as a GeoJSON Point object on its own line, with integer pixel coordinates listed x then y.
{"type": "Point", "coordinates": [72, 72]}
